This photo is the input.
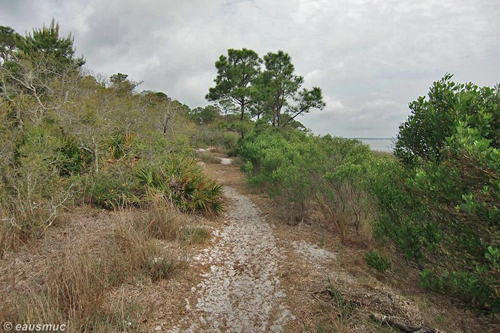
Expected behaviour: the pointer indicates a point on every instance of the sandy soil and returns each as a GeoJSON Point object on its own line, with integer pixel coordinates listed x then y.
{"type": "Point", "coordinates": [262, 275]}
{"type": "Point", "coordinates": [241, 292]}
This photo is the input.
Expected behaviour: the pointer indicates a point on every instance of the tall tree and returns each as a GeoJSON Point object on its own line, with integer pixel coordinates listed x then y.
{"type": "Point", "coordinates": [9, 40]}
{"type": "Point", "coordinates": [235, 74]}
{"type": "Point", "coordinates": [283, 94]}
{"type": "Point", "coordinates": [48, 42]}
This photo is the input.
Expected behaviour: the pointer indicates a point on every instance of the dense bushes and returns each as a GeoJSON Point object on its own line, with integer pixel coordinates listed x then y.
{"type": "Point", "coordinates": [224, 132]}
{"type": "Point", "coordinates": [438, 200]}
{"type": "Point", "coordinates": [444, 208]}
{"type": "Point", "coordinates": [182, 181]}
{"type": "Point", "coordinates": [305, 172]}
{"type": "Point", "coordinates": [376, 261]}
{"type": "Point", "coordinates": [68, 137]}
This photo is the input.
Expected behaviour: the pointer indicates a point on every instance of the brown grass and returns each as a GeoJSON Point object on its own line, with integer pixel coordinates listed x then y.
{"type": "Point", "coordinates": [208, 157]}
{"type": "Point", "coordinates": [162, 221]}
{"type": "Point", "coordinates": [71, 279]}
{"type": "Point", "coordinates": [21, 224]}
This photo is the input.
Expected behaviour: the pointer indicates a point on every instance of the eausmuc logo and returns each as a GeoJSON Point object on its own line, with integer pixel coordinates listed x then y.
{"type": "Point", "coordinates": [8, 326]}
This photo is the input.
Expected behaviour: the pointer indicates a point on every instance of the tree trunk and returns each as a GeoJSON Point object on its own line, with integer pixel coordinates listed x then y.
{"type": "Point", "coordinates": [242, 108]}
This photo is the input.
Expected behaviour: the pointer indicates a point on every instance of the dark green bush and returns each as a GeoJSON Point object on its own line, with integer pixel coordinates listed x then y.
{"type": "Point", "coordinates": [114, 188]}
{"type": "Point", "coordinates": [181, 180]}
{"type": "Point", "coordinates": [473, 288]}
{"type": "Point", "coordinates": [441, 204]}
{"type": "Point", "coordinates": [376, 261]}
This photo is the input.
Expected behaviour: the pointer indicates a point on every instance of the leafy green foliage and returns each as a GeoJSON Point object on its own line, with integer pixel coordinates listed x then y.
{"type": "Point", "coordinates": [235, 74]}
{"type": "Point", "coordinates": [303, 172]}
{"type": "Point", "coordinates": [441, 204]}
{"type": "Point", "coordinates": [182, 181]}
{"type": "Point", "coordinates": [450, 110]}
{"type": "Point", "coordinates": [9, 40]}
{"type": "Point", "coordinates": [204, 115]}
{"type": "Point", "coordinates": [376, 261]}
{"type": "Point", "coordinates": [473, 288]}
{"type": "Point", "coordinates": [113, 188]}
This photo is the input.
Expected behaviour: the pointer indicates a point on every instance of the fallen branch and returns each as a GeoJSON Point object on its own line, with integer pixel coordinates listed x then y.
{"type": "Point", "coordinates": [397, 323]}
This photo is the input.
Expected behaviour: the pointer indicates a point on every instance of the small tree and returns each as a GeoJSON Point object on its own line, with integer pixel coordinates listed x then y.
{"type": "Point", "coordinates": [204, 115]}
{"type": "Point", "coordinates": [445, 209]}
{"type": "Point", "coordinates": [9, 41]}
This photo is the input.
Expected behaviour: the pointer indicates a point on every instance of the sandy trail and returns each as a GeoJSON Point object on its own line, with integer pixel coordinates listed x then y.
{"type": "Point", "coordinates": [241, 292]}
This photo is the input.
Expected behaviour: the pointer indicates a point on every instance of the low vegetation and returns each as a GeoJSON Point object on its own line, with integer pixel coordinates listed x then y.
{"type": "Point", "coordinates": [437, 200]}
{"type": "Point", "coordinates": [70, 139]}
{"type": "Point", "coordinates": [74, 282]}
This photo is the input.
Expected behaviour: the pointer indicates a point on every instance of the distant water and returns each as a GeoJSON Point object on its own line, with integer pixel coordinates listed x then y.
{"type": "Point", "coordinates": [380, 144]}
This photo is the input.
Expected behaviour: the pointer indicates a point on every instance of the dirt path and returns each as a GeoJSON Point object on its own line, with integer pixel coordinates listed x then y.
{"type": "Point", "coordinates": [242, 291]}
{"type": "Point", "coordinates": [260, 274]}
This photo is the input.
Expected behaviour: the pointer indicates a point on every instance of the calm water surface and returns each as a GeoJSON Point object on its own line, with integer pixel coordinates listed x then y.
{"type": "Point", "coordinates": [380, 144]}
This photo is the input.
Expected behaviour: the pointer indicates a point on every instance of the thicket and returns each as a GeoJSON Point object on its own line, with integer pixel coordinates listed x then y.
{"type": "Point", "coordinates": [68, 137]}
{"type": "Point", "coordinates": [444, 208]}
{"type": "Point", "coordinates": [307, 173]}
{"type": "Point", "coordinates": [437, 198]}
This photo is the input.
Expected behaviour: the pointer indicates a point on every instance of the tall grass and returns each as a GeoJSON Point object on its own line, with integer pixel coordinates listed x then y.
{"type": "Point", "coordinates": [73, 286]}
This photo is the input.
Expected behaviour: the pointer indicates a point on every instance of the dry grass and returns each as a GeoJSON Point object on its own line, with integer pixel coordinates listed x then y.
{"type": "Point", "coordinates": [195, 235]}
{"type": "Point", "coordinates": [379, 153]}
{"type": "Point", "coordinates": [161, 221]}
{"type": "Point", "coordinates": [20, 224]}
{"type": "Point", "coordinates": [69, 276]}
{"type": "Point", "coordinates": [208, 157]}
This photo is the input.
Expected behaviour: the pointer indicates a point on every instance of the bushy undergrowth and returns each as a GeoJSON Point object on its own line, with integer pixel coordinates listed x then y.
{"type": "Point", "coordinates": [70, 138]}
{"type": "Point", "coordinates": [376, 261]}
{"type": "Point", "coordinates": [182, 181]}
{"type": "Point", "coordinates": [438, 200]}
{"type": "Point", "coordinates": [305, 173]}
{"type": "Point", "coordinates": [443, 208]}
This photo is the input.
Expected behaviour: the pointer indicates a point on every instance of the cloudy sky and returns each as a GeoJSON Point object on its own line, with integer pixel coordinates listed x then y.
{"type": "Point", "coordinates": [370, 57]}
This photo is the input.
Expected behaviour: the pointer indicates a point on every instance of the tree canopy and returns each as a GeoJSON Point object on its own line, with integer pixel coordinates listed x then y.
{"type": "Point", "coordinates": [235, 75]}
{"type": "Point", "coordinates": [267, 93]}
{"type": "Point", "coordinates": [47, 41]}
{"type": "Point", "coordinates": [9, 41]}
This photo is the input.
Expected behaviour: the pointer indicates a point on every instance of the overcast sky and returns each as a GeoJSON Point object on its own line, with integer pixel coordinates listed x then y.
{"type": "Point", "coordinates": [370, 57]}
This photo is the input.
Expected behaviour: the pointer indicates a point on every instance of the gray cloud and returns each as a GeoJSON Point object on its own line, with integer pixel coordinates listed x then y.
{"type": "Point", "coordinates": [371, 57]}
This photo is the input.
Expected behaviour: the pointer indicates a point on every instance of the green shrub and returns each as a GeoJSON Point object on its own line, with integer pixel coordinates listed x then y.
{"type": "Point", "coordinates": [375, 261]}
{"type": "Point", "coordinates": [181, 180]}
{"type": "Point", "coordinates": [302, 172]}
{"type": "Point", "coordinates": [440, 202]}
{"type": "Point", "coordinates": [473, 288]}
{"type": "Point", "coordinates": [114, 188]}
{"type": "Point", "coordinates": [282, 165]}
{"type": "Point", "coordinates": [230, 140]}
